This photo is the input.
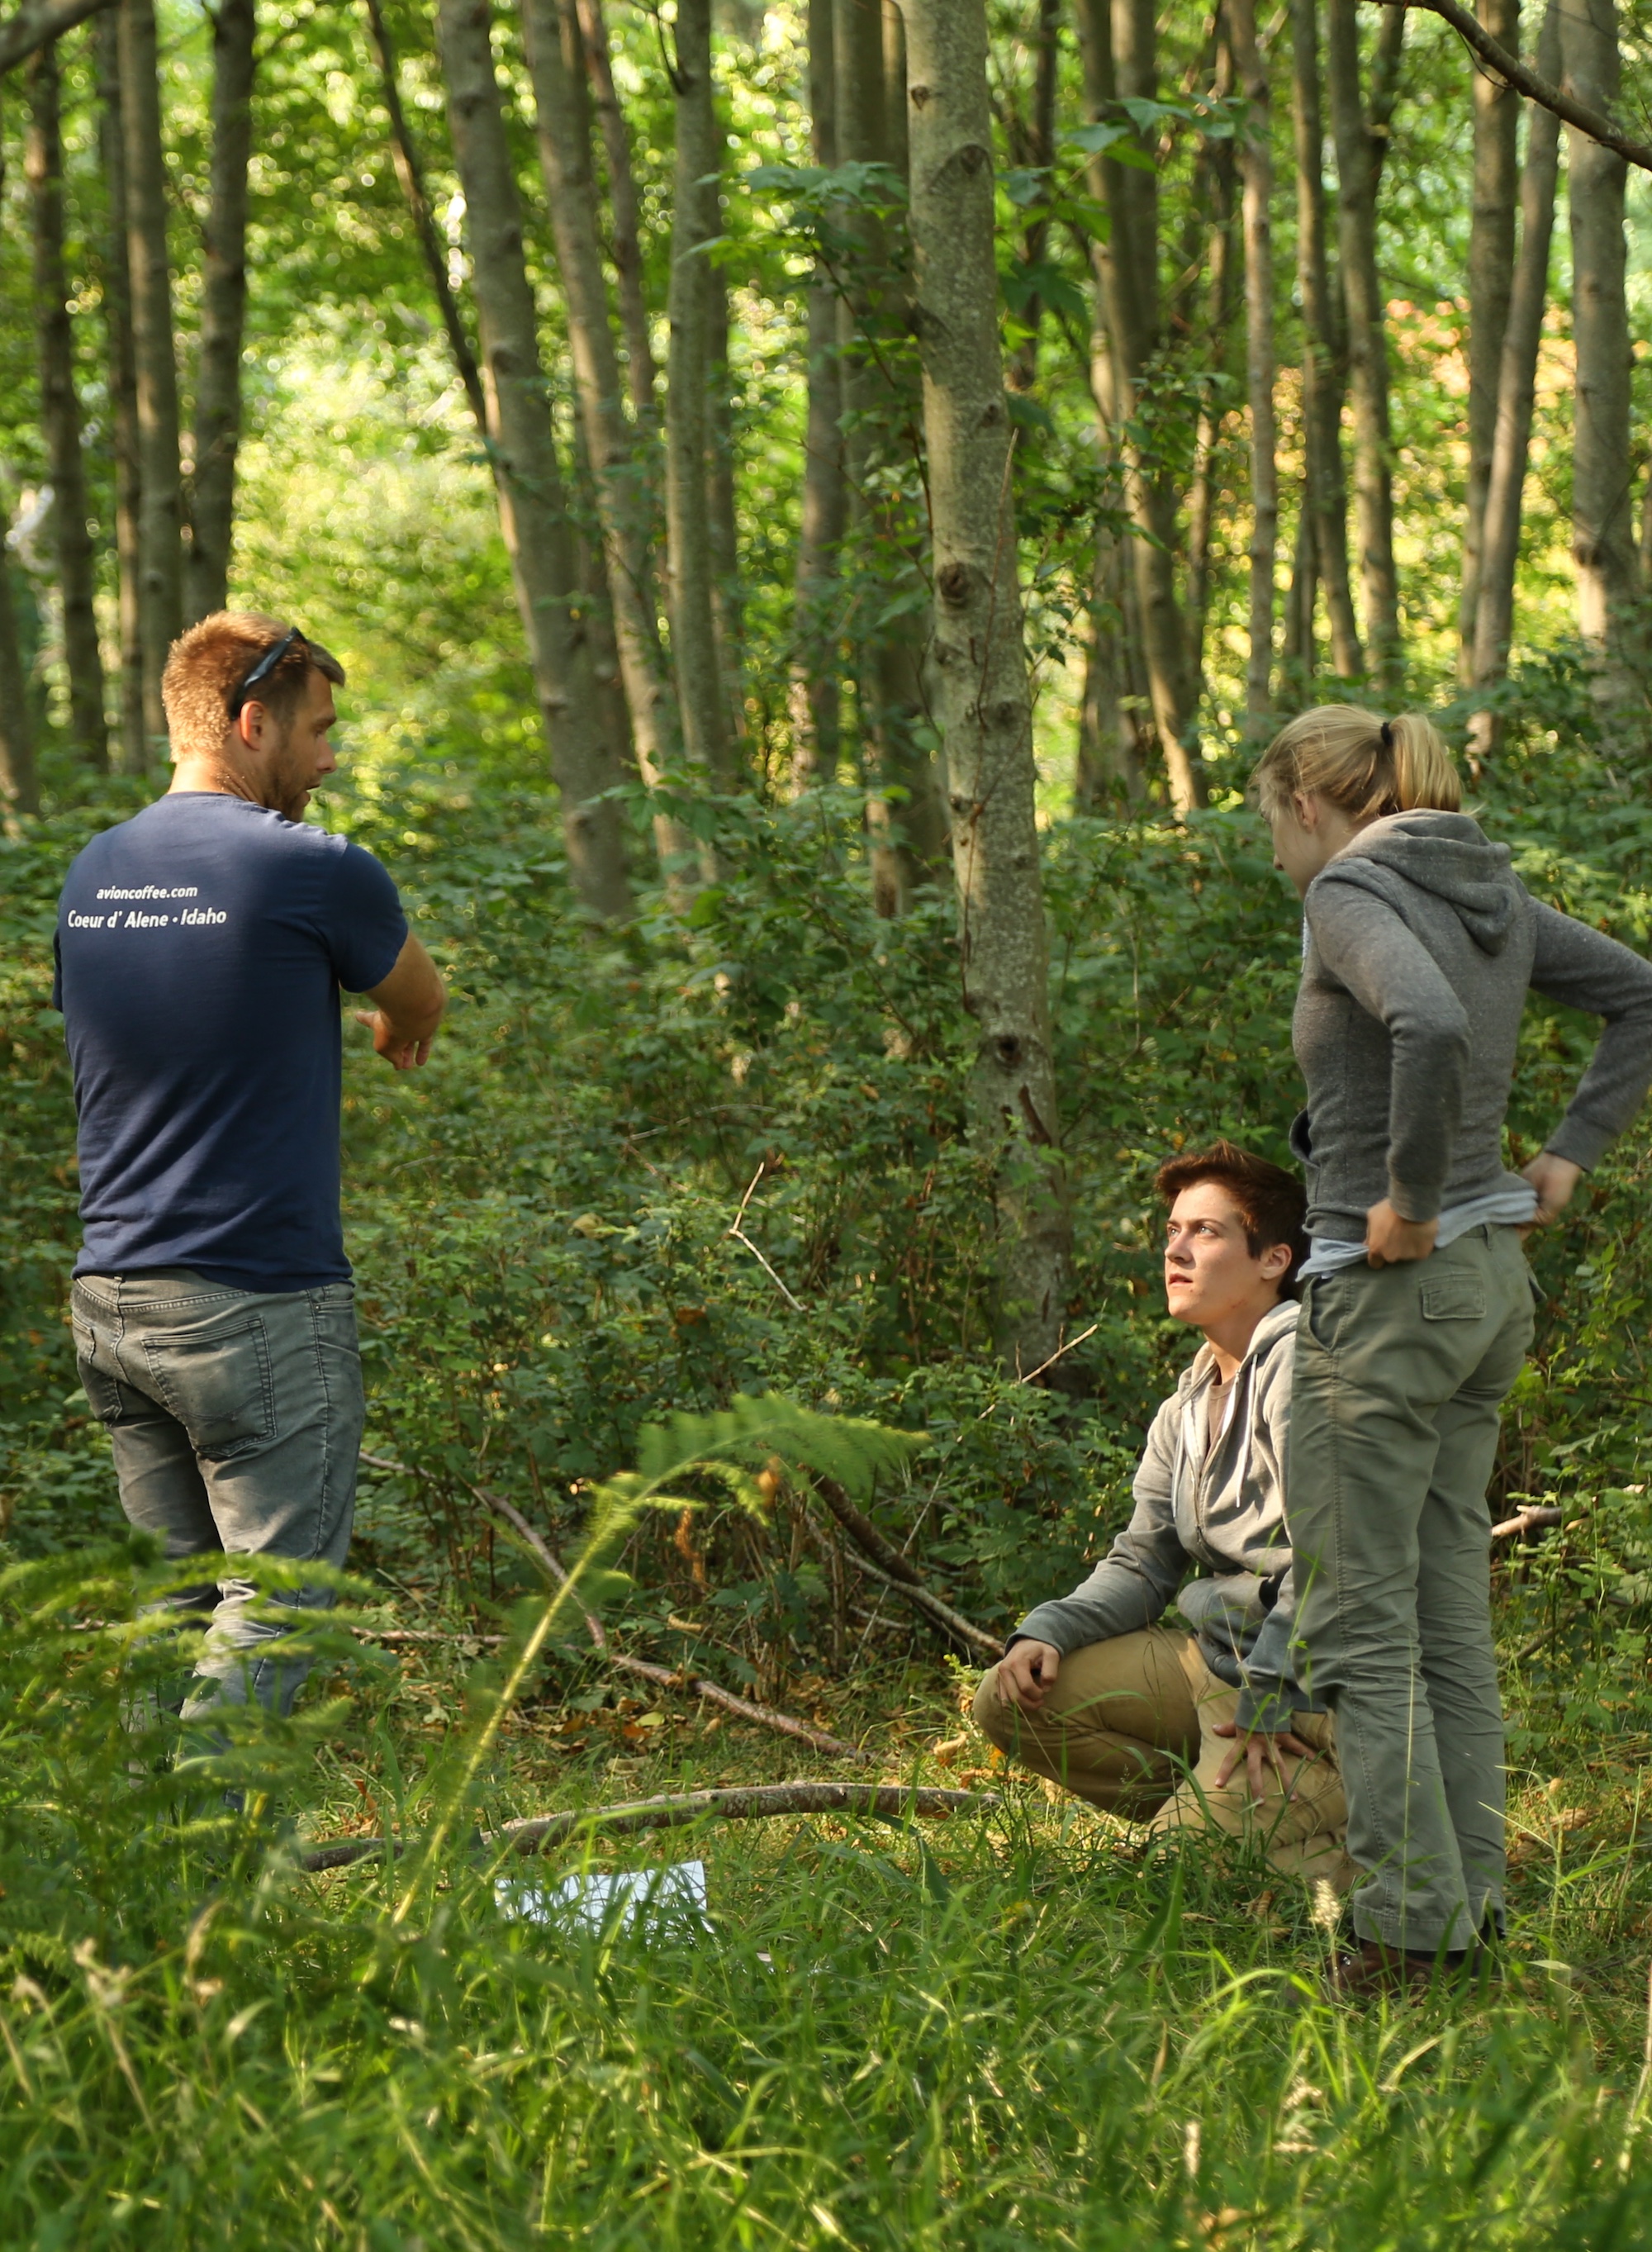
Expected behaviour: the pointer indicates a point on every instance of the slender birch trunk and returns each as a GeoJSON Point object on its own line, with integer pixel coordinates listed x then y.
{"type": "Point", "coordinates": [727, 608]}
{"type": "Point", "coordinates": [1367, 345]}
{"type": "Point", "coordinates": [1216, 174]}
{"type": "Point", "coordinates": [1491, 259]}
{"type": "Point", "coordinates": [160, 499]}
{"type": "Point", "coordinates": [1517, 379]}
{"type": "Point", "coordinates": [1118, 40]}
{"type": "Point", "coordinates": [617, 448]}
{"type": "Point", "coordinates": [19, 783]}
{"type": "Point", "coordinates": [218, 384]}
{"type": "Point", "coordinates": [122, 376]}
{"type": "Point", "coordinates": [689, 570]}
{"type": "Point", "coordinates": [1256, 174]}
{"type": "Point", "coordinates": [983, 699]}
{"type": "Point", "coordinates": [410, 177]}
{"type": "Point", "coordinates": [1326, 494]}
{"type": "Point", "coordinates": [815, 697]}
{"type": "Point", "coordinates": [533, 513]}
{"type": "Point", "coordinates": [625, 209]}
{"type": "Point", "coordinates": [1602, 528]}
{"type": "Point", "coordinates": [60, 415]}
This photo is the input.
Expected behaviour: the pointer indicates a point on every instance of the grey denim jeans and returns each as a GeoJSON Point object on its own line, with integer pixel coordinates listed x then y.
{"type": "Point", "coordinates": [236, 1421]}
{"type": "Point", "coordinates": [1399, 1375]}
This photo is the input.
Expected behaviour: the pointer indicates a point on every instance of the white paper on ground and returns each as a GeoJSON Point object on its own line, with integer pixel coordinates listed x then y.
{"type": "Point", "coordinates": [673, 1895]}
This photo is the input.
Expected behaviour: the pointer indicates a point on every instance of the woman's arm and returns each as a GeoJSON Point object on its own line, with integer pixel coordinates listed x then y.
{"type": "Point", "coordinates": [1585, 969]}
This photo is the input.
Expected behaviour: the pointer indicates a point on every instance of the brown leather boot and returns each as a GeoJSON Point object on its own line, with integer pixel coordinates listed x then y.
{"type": "Point", "coordinates": [1373, 1969]}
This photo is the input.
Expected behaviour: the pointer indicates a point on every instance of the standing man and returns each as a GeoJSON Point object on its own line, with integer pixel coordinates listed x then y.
{"type": "Point", "coordinates": [201, 951]}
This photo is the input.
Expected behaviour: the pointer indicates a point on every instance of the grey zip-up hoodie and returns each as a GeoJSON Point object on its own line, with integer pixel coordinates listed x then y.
{"type": "Point", "coordinates": [1219, 1509]}
{"type": "Point", "coordinates": [1420, 945]}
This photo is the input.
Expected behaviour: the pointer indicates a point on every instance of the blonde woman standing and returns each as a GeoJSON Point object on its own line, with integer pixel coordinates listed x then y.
{"type": "Point", "coordinates": [1420, 946]}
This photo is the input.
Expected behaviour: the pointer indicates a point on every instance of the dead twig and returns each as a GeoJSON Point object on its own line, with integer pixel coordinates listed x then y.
{"type": "Point", "coordinates": [664, 1677]}
{"type": "Point", "coordinates": [739, 1236]}
{"type": "Point", "coordinates": [1526, 1520]}
{"type": "Point", "coordinates": [892, 1801]}
{"type": "Point", "coordinates": [884, 1561]}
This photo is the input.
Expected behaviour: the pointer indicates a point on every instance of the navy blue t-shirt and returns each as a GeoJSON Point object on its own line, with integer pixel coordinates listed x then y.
{"type": "Point", "coordinates": [200, 948]}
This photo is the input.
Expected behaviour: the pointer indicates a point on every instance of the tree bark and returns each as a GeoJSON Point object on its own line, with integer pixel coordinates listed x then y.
{"type": "Point", "coordinates": [618, 448]}
{"type": "Point", "coordinates": [60, 416]}
{"type": "Point", "coordinates": [1117, 38]}
{"type": "Point", "coordinates": [160, 495]}
{"type": "Point", "coordinates": [1602, 530]}
{"type": "Point", "coordinates": [1040, 155]}
{"type": "Point", "coordinates": [1491, 258]}
{"type": "Point", "coordinates": [19, 783]}
{"type": "Point", "coordinates": [533, 513]}
{"type": "Point", "coordinates": [624, 210]}
{"type": "Point", "coordinates": [814, 692]}
{"type": "Point", "coordinates": [1367, 345]}
{"type": "Point", "coordinates": [1217, 171]}
{"type": "Point", "coordinates": [1109, 763]}
{"type": "Point", "coordinates": [1517, 376]}
{"type": "Point", "coordinates": [218, 385]}
{"type": "Point", "coordinates": [688, 529]}
{"type": "Point", "coordinates": [727, 608]}
{"type": "Point", "coordinates": [1327, 492]}
{"type": "Point", "coordinates": [1256, 174]}
{"type": "Point", "coordinates": [410, 175]}
{"type": "Point", "coordinates": [123, 371]}
{"type": "Point", "coordinates": [37, 23]}
{"type": "Point", "coordinates": [1300, 655]}
{"type": "Point", "coordinates": [983, 697]}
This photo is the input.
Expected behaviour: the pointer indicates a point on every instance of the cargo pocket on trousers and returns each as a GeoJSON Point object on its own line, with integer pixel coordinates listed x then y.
{"type": "Point", "coordinates": [1453, 1299]}
{"type": "Point", "coordinates": [218, 1386]}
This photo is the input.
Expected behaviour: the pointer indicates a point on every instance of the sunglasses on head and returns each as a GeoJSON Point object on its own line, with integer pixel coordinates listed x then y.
{"type": "Point", "coordinates": [293, 638]}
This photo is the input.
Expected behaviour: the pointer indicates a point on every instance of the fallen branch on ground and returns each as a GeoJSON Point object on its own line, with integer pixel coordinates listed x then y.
{"type": "Point", "coordinates": [886, 1563]}
{"type": "Point", "coordinates": [664, 1677]}
{"type": "Point", "coordinates": [738, 1803]}
{"type": "Point", "coordinates": [1526, 1520]}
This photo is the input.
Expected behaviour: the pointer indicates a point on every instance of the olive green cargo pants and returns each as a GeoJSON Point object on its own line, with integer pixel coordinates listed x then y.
{"type": "Point", "coordinates": [1400, 1373]}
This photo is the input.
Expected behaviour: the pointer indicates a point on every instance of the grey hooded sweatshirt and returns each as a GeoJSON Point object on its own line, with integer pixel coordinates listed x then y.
{"type": "Point", "coordinates": [1419, 943]}
{"type": "Point", "coordinates": [1218, 1510]}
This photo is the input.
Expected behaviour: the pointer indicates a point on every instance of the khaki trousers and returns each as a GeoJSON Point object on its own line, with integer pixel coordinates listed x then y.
{"type": "Point", "coordinates": [1130, 1727]}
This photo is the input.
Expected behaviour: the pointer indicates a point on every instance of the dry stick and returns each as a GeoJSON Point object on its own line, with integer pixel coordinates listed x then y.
{"type": "Point", "coordinates": [739, 1236]}
{"type": "Point", "coordinates": [1526, 1520]}
{"type": "Point", "coordinates": [886, 1563]}
{"type": "Point", "coordinates": [742, 1708]}
{"type": "Point", "coordinates": [759, 1801]}
{"type": "Point", "coordinates": [1526, 81]}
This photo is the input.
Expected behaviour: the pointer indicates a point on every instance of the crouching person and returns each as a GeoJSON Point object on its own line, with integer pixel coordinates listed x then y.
{"type": "Point", "coordinates": [1206, 1728]}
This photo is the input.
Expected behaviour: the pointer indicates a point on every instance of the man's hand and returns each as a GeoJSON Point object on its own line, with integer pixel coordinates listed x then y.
{"type": "Point", "coordinates": [1391, 1241]}
{"type": "Point", "coordinates": [410, 1002]}
{"type": "Point", "coordinates": [1260, 1749]}
{"type": "Point", "coordinates": [1554, 1178]}
{"type": "Point", "coordinates": [1027, 1676]}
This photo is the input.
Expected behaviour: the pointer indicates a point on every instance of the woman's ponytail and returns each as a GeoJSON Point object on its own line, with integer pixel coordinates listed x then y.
{"type": "Point", "coordinates": [1364, 765]}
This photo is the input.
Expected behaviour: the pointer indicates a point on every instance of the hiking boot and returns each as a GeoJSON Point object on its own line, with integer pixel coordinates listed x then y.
{"type": "Point", "coordinates": [1370, 1969]}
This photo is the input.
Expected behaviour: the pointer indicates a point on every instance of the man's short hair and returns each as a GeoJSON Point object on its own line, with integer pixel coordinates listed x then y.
{"type": "Point", "coordinates": [1272, 1202]}
{"type": "Point", "coordinates": [208, 665]}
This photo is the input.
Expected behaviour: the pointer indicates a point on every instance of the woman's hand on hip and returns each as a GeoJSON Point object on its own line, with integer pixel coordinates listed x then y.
{"type": "Point", "coordinates": [1391, 1241]}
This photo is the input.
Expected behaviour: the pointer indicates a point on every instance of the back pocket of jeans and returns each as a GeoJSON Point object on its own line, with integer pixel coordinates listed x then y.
{"type": "Point", "coordinates": [102, 1392]}
{"type": "Point", "coordinates": [1453, 1299]}
{"type": "Point", "coordinates": [218, 1386]}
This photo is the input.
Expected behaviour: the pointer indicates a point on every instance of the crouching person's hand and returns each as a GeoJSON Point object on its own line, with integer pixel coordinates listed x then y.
{"type": "Point", "coordinates": [1264, 1752]}
{"type": "Point", "coordinates": [1027, 1675]}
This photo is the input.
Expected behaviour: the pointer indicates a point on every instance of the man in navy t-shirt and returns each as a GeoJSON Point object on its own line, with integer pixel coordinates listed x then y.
{"type": "Point", "coordinates": [201, 948]}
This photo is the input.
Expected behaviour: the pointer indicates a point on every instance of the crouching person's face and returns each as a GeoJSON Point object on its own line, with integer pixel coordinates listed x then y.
{"type": "Point", "coordinates": [1212, 1275]}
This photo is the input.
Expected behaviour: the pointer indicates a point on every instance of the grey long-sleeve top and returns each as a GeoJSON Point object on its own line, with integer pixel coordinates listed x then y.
{"type": "Point", "coordinates": [1420, 946]}
{"type": "Point", "coordinates": [1216, 1509]}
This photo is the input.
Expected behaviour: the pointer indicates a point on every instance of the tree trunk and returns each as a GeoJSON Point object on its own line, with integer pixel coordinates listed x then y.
{"type": "Point", "coordinates": [160, 493]}
{"type": "Point", "coordinates": [983, 700]}
{"type": "Point", "coordinates": [122, 370]}
{"type": "Point", "coordinates": [1517, 376]}
{"type": "Point", "coordinates": [410, 175]}
{"type": "Point", "coordinates": [690, 569]}
{"type": "Point", "coordinates": [1491, 257]}
{"type": "Point", "coordinates": [728, 611]}
{"type": "Point", "coordinates": [617, 449]}
{"type": "Point", "coordinates": [532, 508]}
{"type": "Point", "coordinates": [1327, 492]}
{"type": "Point", "coordinates": [1602, 530]}
{"type": "Point", "coordinates": [1300, 657]}
{"type": "Point", "coordinates": [19, 785]}
{"type": "Point", "coordinates": [217, 389]}
{"type": "Point", "coordinates": [624, 210]}
{"type": "Point", "coordinates": [1256, 172]}
{"type": "Point", "coordinates": [1367, 346]}
{"type": "Point", "coordinates": [1217, 171]}
{"type": "Point", "coordinates": [815, 694]}
{"type": "Point", "coordinates": [1038, 155]}
{"type": "Point", "coordinates": [60, 416]}
{"type": "Point", "coordinates": [1109, 761]}
{"type": "Point", "coordinates": [1117, 37]}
